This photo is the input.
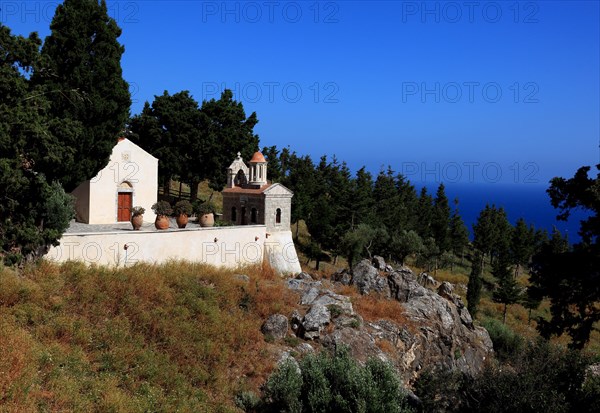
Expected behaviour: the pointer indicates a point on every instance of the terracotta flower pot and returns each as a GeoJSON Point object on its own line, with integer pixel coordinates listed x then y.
{"type": "Point", "coordinates": [206, 220]}
{"type": "Point", "coordinates": [137, 221]}
{"type": "Point", "coordinates": [162, 222]}
{"type": "Point", "coordinates": [182, 220]}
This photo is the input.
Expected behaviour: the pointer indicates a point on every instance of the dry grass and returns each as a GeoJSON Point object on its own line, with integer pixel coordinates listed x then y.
{"type": "Point", "coordinates": [176, 337]}
{"type": "Point", "coordinates": [373, 308]}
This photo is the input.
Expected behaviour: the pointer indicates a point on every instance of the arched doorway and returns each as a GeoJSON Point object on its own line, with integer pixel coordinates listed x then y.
{"type": "Point", "coordinates": [278, 216]}
{"type": "Point", "coordinates": [124, 202]}
{"type": "Point", "coordinates": [244, 221]}
{"type": "Point", "coordinates": [253, 216]}
{"type": "Point", "coordinates": [233, 214]}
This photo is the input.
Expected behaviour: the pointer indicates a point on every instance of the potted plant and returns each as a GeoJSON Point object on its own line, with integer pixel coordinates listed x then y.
{"type": "Point", "coordinates": [206, 214]}
{"type": "Point", "coordinates": [137, 217]}
{"type": "Point", "coordinates": [182, 210]}
{"type": "Point", "coordinates": [162, 209]}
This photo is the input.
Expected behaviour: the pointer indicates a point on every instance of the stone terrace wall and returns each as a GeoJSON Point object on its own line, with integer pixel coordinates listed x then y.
{"type": "Point", "coordinates": [219, 246]}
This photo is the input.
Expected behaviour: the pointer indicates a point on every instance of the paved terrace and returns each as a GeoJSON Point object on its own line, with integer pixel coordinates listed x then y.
{"type": "Point", "coordinates": [148, 226]}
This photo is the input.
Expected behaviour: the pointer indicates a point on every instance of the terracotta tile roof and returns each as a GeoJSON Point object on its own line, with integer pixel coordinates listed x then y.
{"type": "Point", "coordinates": [238, 190]}
{"type": "Point", "coordinates": [258, 157]}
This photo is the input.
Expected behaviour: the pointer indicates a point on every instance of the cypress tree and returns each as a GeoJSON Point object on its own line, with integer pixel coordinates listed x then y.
{"type": "Point", "coordinates": [474, 285]}
{"type": "Point", "coordinates": [80, 72]}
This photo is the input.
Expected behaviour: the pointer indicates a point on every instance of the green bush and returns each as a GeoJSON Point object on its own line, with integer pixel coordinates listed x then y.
{"type": "Point", "coordinates": [507, 344]}
{"type": "Point", "coordinates": [539, 378]}
{"type": "Point", "coordinates": [334, 383]}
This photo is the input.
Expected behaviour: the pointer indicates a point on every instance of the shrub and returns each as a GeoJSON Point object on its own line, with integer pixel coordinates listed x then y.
{"type": "Point", "coordinates": [183, 207]}
{"type": "Point", "coordinates": [162, 208]}
{"type": "Point", "coordinates": [335, 383]}
{"type": "Point", "coordinates": [539, 378]}
{"type": "Point", "coordinates": [507, 344]}
{"type": "Point", "coordinates": [283, 389]}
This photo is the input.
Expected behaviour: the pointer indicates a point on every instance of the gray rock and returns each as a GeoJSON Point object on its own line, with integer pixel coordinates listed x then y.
{"type": "Point", "coordinates": [304, 276]}
{"type": "Point", "coordinates": [317, 317]}
{"type": "Point", "coordinates": [342, 276]}
{"type": "Point", "coordinates": [296, 321]}
{"type": "Point", "coordinates": [276, 325]}
{"type": "Point", "coordinates": [364, 276]}
{"type": "Point", "coordinates": [286, 356]}
{"type": "Point", "coordinates": [381, 285]}
{"type": "Point", "coordinates": [446, 290]}
{"type": "Point", "coordinates": [404, 287]}
{"type": "Point", "coordinates": [310, 296]}
{"type": "Point", "coordinates": [389, 268]}
{"type": "Point", "coordinates": [242, 277]}
{"type": "Point", "coordinates": [305, 348]}
{"type": "Point", "coordinates": [379, 263]}
{"type": "Point", "coordinates": [331, 298]}
{"type": "Point", "coordinates": [301, 285]}
{"type": "Point", "coordinates": [362, 346]}
{"type": "Point", "coordinates": [354, 321]}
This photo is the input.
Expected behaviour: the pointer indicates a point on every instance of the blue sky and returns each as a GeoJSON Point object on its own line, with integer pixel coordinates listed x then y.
{"type": "Point", "coordinates": [464, 91]}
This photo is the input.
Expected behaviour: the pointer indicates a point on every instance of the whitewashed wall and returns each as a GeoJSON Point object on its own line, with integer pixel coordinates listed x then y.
{"type": "Point", "coordinates": [220, 246]}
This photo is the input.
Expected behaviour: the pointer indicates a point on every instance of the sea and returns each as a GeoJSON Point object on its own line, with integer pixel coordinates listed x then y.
{"type": "Point", "coordinates": [527, 201]}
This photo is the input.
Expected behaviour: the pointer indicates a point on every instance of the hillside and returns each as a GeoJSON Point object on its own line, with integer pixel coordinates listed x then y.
{"type": "Point", "coordinates": [187, 337]}
{"type": "Point", "coordinates": [179, 337]}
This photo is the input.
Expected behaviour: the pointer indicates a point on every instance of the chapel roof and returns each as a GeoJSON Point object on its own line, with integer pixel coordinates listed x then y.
{"type": "Point", "coordinates": [258, 157]}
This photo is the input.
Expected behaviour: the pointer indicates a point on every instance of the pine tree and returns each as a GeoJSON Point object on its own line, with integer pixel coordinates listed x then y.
{"type": "Point", "coordinates": [425, 215]}
{"type": "Point", "coordinates": [386, 199]}
{"type": "Point", "coordinates": [474, 286]}
{"type": "Point", "coordinates": [225, 131]}
{"type": "Point", "coordinates": [459, 234]}
{"type": "Point", "coordinates": [362, 202]}
{"type": "Point", "coordinates": [440, 224]}
{"type": "Point", "coordinates": [171, 123]}
{"type": "Point", "coordinates": [508, 291]}
{"type": "Point", "coordinates": [80, 71]}
{"type": "Point", "coordinates": [408, 200]}
{"type": "Point", "coordinates": [522, 245]}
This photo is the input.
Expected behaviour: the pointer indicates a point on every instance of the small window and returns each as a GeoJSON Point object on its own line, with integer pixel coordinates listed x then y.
{"type": "Point", "coordinates": [253, 215]}
{"type": "Point", "coordinates": [278, 216]}
{"type": "Point", "coordinates": [233, 214]}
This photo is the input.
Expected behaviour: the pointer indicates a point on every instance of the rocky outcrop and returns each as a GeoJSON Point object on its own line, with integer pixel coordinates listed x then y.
{"type": "Point", "coordinates": [438, 333]}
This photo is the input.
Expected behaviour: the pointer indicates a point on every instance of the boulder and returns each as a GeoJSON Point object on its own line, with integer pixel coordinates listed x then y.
{"type": "Point", "coordinates": [296, 321]}
{"type": "Point", "coordinates": [331, 298]}
{"type": "Point", "coordinates": [304, 276]}
{"type": "Point", "coordinates": [364, 276]}
{"type": "Point", "coordinates": [310, 296]}
{"type": "Point", "coordinates": [342, 276]}
{"type": "Point", "coordinates": [362, 346]}
{"type": "Point", "coordinates": [403, 286]}
{"type": "Point", "coordinates": [301, 285]}
{"type": "Point", "coordinates": [379, 263]}
{"type": "Point", "coordinates": [367, 279]}
{"type": "Point", "coordinates": [317, 317]}
{"type": "Point", "coordinates": [276, 325]}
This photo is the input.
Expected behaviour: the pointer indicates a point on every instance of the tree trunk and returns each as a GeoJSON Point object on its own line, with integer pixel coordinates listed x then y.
{"type": "Point", "coordinates": [297, 229]}
{"type": "Point", "coordinates": [318, 261]}
{"type": "Point", "coordinates": [167, 187]}
{"type": "Point", "coordinates": [504, 315]}
{"type": "Point", "coordinates": [194, 189]}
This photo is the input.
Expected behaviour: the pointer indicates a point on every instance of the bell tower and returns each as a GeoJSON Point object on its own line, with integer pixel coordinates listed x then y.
{"type": "Point", "coordinates": [258, 170]}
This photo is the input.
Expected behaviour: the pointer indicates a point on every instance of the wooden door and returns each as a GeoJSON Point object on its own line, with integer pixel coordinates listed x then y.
{"type": "Point", "coordinates": [124, 206]}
